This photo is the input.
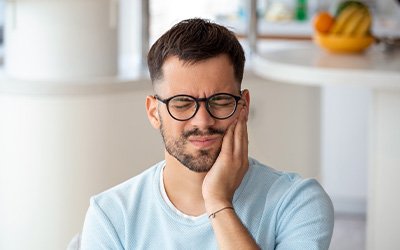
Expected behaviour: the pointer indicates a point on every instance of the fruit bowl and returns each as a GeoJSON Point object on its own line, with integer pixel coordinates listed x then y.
{"type": "Point", "coordinates": [343, 44]}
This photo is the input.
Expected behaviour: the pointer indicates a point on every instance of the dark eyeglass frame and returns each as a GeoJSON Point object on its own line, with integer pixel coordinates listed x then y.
{"type": "Point", "coordinates": [197, 101]}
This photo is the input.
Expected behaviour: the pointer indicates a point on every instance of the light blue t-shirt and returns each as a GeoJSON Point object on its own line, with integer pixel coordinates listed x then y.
{"type": "Point", "coordinates": [280, 210]}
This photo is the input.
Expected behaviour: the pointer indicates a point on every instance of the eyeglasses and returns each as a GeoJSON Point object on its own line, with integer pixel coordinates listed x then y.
{"type": "Point", "coordinates": [184, 107]}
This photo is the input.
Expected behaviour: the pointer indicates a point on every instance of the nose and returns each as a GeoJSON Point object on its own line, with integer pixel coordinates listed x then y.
{"type": "Point", "coordinates": [202, 119]}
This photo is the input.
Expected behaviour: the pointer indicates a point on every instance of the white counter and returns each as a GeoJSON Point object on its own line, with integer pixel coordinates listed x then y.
{"type": "Point", "coordinates": [308, 64]}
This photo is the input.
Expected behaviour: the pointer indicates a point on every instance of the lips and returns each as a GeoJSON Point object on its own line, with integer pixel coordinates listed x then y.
{"type": "Point", "coordinates": [203, 142]}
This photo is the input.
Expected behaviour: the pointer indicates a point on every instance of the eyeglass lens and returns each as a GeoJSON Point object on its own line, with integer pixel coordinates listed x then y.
{"type": "Point", "coordinates": [184, 107]}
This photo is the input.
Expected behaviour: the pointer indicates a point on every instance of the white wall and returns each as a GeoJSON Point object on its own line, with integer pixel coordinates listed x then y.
{"type": "Point", "coordinates": [284, 125]}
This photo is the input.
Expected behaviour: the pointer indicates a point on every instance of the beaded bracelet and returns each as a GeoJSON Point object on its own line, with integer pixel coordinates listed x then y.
{"type": "Point", "coordinates": [212, 215]}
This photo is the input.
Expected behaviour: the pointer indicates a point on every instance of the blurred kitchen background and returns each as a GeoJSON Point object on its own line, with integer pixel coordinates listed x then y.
{"type": "Point", "coordinates": [73, 83]}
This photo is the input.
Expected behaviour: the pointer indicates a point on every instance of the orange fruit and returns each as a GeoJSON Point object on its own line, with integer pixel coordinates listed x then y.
{"type": "Point", "coordinates": [323, 22]}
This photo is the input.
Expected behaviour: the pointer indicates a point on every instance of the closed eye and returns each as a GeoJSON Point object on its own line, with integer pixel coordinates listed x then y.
{"type": "Point", "coordinates": [181, 103]}
{"type": "Point", "coordinates": [222, 102]}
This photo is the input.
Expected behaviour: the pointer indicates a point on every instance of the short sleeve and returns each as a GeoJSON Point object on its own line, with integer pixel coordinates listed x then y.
{"type": "Point", "coordinates": [305, 218]}
{"type": "Point", "coordinates": [98, 232]}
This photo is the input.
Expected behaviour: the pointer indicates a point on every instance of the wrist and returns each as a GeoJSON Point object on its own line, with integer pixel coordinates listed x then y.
{"type": "Point", "coordinates": [213, 214]}
{"type": "Point", "coordinates": [213, 206]}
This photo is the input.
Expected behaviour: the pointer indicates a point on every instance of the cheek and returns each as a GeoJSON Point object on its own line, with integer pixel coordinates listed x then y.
{"type": "Point", "coordinates": [172, 128]}
{"type": "Point", "coordinates": [176, 131]}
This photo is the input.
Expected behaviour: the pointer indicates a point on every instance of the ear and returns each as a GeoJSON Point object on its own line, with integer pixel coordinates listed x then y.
{"type": "Point", "coordinates": [246, 98]}
{"type": "Point", "coordinates": [152, 111]}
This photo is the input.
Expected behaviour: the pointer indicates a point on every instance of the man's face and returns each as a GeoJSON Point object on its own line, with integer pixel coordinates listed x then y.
{"type": "Point", "coordinates": [195, 143]}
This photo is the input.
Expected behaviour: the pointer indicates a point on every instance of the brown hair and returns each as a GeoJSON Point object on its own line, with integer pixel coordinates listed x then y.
{"type": "Point", "coordinates": [194, 40]}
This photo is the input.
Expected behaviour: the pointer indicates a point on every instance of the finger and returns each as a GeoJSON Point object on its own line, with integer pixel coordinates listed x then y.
{"type": "Point", "coordinates": [244, 142]}
{"type": "Point", "coordinates": [242, 104]}
{"type": "Point", "coordinates": [240, 136]}
{"type": "Point", "coordinates": [227, 141]}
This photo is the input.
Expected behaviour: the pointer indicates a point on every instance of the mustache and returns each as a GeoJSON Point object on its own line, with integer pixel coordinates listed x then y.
{"type": "Point", "coordinates": [197, 132]}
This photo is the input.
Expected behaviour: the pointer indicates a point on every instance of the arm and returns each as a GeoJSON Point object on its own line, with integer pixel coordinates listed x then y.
{"type": "Point", "coordinates": [221, 182]}
{"type": "Point", "coordinates": [230, 232]}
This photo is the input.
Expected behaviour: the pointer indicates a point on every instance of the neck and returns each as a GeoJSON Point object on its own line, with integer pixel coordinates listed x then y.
{"type": "Point", "coordinates": [183, 187]}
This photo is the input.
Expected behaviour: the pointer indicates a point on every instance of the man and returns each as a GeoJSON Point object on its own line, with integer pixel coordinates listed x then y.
{"type": "Point", "coordinates": [207, 193]}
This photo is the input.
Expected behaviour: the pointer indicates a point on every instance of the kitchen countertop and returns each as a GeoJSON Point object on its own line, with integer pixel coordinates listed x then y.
{"type": "Point", "coordinates": [306, 63]}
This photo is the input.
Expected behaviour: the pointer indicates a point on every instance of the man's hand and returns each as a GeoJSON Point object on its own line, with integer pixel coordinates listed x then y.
{"type": "Point", "coordinates": [230, 167]}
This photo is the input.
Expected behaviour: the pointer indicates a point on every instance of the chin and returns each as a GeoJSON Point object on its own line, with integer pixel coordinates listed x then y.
{"type": "Point", "coordinates": [202, 161]}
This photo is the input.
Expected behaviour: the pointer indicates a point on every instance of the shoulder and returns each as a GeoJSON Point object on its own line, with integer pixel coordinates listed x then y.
{"type": "Point", "coordinates": [285, 192]}
{"type": "Point", "coordinates": [123, 195]}
{"type": "Point", "coordinates": [105, 221]}
{"type": "Point", "coordinates": [282, 185]}
{"type": "Point", "coordinates": [261, 176]}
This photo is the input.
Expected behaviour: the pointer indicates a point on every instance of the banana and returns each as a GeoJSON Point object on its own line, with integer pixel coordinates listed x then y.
{"type": "Point", "coordinates": [364, 27]}
{"type": "Point", "coordinates": [343, 5]}
{"type": "Point", "coordinates": [342, 19]}
{"type": "Point", "coordinates": [354, 21]}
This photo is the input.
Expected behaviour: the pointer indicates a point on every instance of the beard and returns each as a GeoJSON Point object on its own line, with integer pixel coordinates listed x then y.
{"type": "Point", "coordinates": [199, 162]}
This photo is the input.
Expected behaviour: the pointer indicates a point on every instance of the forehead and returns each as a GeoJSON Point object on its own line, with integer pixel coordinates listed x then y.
{"type": "Point", "coordinates": [199, 79]}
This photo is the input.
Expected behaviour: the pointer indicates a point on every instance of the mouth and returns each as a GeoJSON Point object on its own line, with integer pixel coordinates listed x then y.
{"type": "Point", "coordinates": [203, 142]}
